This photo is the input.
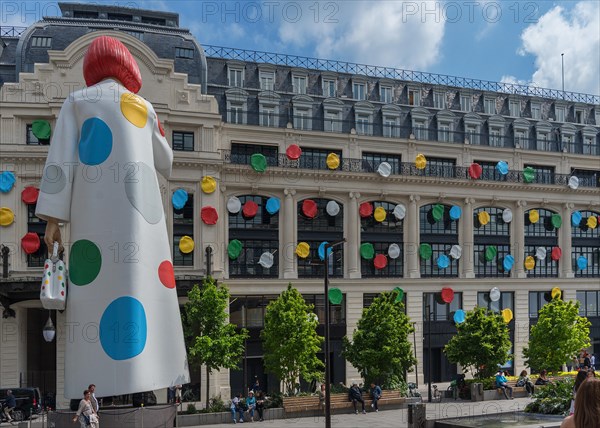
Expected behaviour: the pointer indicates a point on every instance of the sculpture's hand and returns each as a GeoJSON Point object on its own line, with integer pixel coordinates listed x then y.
{"type": "Point", "coordinates": [53, 234]}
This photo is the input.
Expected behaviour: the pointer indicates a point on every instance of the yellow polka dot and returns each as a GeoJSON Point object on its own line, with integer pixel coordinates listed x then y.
{"type": "Point", "coordinates": [46, 282]}
{"type": "Point", "coordinates": [60, 278]}
{"type": "Point", "coordinates": [134, 109]}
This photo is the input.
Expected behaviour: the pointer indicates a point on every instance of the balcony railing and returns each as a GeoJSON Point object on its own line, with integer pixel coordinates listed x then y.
{"type": "Point", "coordinates": [394, 73]}
{"type": "Point", "coordinates": [407, 169]}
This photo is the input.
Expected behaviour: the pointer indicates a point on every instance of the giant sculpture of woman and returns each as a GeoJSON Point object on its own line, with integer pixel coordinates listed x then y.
{"type": "Point", "coordinates": [123, 330]}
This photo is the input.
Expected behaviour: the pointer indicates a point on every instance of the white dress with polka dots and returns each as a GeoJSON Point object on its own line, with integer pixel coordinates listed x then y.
{"type": "Point", "coordinates": [123, 330]}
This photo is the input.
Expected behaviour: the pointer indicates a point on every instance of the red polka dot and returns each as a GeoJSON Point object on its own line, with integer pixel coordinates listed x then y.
{"type": "Point", "coordinates": [62, 293]}
{"type": "Point", "coordinates": [166, 274]}
{"type": "Point", "coordinates": [160, 128]}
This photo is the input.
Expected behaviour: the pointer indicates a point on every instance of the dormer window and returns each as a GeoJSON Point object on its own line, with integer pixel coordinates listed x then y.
{"type": "Point", "coordinates": [536, 111]}
{"type": "Point", "coordinates": [489, 105]}
{"type": "Point", "coordinates": [385, 94]}
{"type": "Point", "coordinates": [465, 103]}
{"type": "Point", "coordinates": [414, 97]}
{"type": "Point", "coordinates": [236, 76]}
{"type": "Point", "coordinates": [515, 108]}
{"type": "Point", "coordinates": [439, 100]}
{"type": "Point", "coordinates": [363, 118]}
{"type": "Point", "coordinates": [559, 112]}
{"type": "Point", "coordinates": [267, 80]}
{"type": "Point", "coordinates": [329, 88]}
{"type": "Point", "coordinates": [359, 91]}
{"type": "Point", "coordinates": [299, 84]}
{"type": "Point", "coordinates": [41, 42]}
{"type": "Point", "coordinates": [184, 53]}
{"type": "Point", "coordinates": [579, 116]}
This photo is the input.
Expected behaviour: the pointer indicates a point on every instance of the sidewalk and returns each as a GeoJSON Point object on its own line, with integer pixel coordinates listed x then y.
{"type": "Point", "coordinates": [448, 408]}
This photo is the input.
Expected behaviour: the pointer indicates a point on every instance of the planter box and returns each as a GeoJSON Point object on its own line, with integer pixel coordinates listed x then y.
{"type": "Point", "coordinates": [224, 417]}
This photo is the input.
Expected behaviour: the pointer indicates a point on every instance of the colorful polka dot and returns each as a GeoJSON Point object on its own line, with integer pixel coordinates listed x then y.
{"type": "Point", "coordinates": [123, 328]}
{"type": "Point", "coordinates": [160, 128]}
{"type": "Point", "coordinates": [134, 109]}
{"type": "Point", "coordinates": [85, 262]}
{"type": "Point", "coordinates": [143, 193]}
{"type": "Point", "coordinates": [166, 274]}
{"type": "Point", "coordinates": [95, 143]}
{"type": "Point", "coordinates": [53, 180]}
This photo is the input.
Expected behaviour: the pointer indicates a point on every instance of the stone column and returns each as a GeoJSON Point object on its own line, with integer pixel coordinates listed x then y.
{"type": "Point", "coordinates": [466, 240]}
{"type": "Point", "coordinates": [564, 242]}
{"type": "Point", "coordinates": [288, 216]}
{"type": "Point", "coordinates": [353, 236]}
{"type": "Point", "coordinates": [411, 228]}
{"type": "Point", "coordinates": [518, 234]}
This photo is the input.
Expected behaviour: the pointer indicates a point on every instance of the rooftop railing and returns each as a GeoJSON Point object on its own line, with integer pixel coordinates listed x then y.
{"type": "Point", "coordinates": [394, 73]}
{"type": "Point", "coordinates": [453, 172]}
{"type": "Point", "coordinates": [11, 31]}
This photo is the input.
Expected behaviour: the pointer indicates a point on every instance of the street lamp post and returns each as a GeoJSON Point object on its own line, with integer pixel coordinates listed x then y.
{"type": "Point", "coordinates": [327, 359]}
{"type": "Point", "coordinates": [428, 309]}
{"type": "Point", "coordinates": [562, 57]}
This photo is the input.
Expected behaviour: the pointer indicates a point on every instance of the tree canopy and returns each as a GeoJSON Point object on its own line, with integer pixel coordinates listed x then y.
{"type": "Point", "coordinates": [481, 344]}
{"type": "Point", "coordinates": [212, 340]}
{"type": "Point", "coordinates": [558, 335]}
{"type": "Point", "coordinates": [290, 339]}
{"type": "Point", "coordinates": [380, 348]}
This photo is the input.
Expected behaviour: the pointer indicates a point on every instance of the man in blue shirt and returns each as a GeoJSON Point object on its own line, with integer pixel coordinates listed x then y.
{"type": "Point", "coordinates": [375, 395]}
{"type": "Point", "coordinates": [9, 404]}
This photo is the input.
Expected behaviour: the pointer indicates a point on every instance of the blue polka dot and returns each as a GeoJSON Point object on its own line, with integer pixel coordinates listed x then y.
{"type": "Point", "coordinates": [95, 143]}
{"type": "Point", "coordinates": [123, 328]}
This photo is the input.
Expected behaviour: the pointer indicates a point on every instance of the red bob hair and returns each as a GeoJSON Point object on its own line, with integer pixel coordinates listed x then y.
{"type": "Point", "coordinates": [108, 57]}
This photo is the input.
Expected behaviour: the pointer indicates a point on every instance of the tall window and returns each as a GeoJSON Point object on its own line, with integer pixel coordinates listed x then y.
{"type": "Point", "coordinates": [314, 231]}
{"type": "Point", "coordinates": [444, 131]}
{"type": "Point", "coordinates": [267, 80]}
{"type": "Point", "coordinates": [589, 303]}
{"type": "Point", "coordinates": [414, 97]}
{"type": "Point", "coordinates": [329, 88]}
{"type": "Point", "coordinates": [363, 124]}
{"type": "Point", "coordinates": [299, 84]}
{"type": "Point", "coordinates": [587, 178]}
{"type": "Point", "coordinates": [440, 235]}
{"type": "Point", "coordinates": [489, 105]}
{"type": "Point", "coordinates": [385, 94]}
{"type": "Point", "coordinates": [268, 117]}
{"type": "Point", "coordinates": [258, 235]}
{"type": "Point", "coordinates": [491, 243]}
{"type": "Point", "coordinates": [536, 111]}
{"type": "Point", "coordinates": [559, 113]}
{"type": "Point", "coordinates": [241, 153]}
{"type": "Point", "coordinates": [37, 226]}
{"type": "Point", "coordinates": [541, 234]}
{"type": "Point", "coordinates": [359, 91]}
{"type": "Point", "coordinates": [420, 130]}
{"type": "Point", "coordinates": [302, 118]}
{"type": "Point", "coordinates": [371, 161]}
{"type": "Point", "coordinates": [236, 77]}
{"type": "Point", "coordinates": [495, 137]}
{"type": "Point", "coordinates": [391, 126]}
{"type": "Point", "coordinates": [465, 103]}
{"type": "Point", "coordinates": [183, 225]}
{"type": "Point", "coordinates": [332, 121]}
{"type": "Point", "coordinates": [316, 158]}
{"type": "Point", "coordinates": [585, 242]}
{"type": "Point", "coordinates": [439, 100]}
{"type": "Point", "coordinates": [236, 113]}
{"type": "Point", "coordinates": [438, 310]}
{"type": "Point", "coordinates": [514, 108]}
{"type": "Point", "coordinates": [382, 235]}
{"type": "Point", "coordinates": [537, 300]}
{"type": "Point", "coordinates": [472, 134]}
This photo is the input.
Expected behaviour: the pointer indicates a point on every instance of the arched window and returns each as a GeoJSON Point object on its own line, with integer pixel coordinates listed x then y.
{"type": "Point", "coordinates": [585, 242]}
{"type": "Point", "coordinates": [315, 230]}
{"type": "Point", "coordinates": [258, 234]}
{"type": "Point", "coordinates": [382, 233]}
{"type": "Point", "coordinates": [541, 236]}
{"type": "Point", "coordinates": [491, 236]}
{"type": "Point", "coordinates": [440, 233]}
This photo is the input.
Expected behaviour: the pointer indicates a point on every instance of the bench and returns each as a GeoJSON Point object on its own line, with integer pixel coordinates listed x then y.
{"type": "Point", "coordinates": [309, 405]}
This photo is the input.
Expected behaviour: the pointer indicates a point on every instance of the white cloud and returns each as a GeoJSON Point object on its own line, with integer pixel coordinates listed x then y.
{"type": "Point", "coordinates": [575, 33]}
{"type": "Point", "coordinates": [387, 33]}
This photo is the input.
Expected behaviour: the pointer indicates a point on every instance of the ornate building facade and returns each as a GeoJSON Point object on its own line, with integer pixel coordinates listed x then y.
{"type": "Point", "coordinates": [435, 182]}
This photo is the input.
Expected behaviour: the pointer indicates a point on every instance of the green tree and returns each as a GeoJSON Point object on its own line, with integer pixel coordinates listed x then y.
{"type": "Point", "coordinates": [290, 339]}
{"type": "Point", "coordinates": [212, 340]}
{"type": "Point", "coordinates": [481, 343]}
{"type": "Point", "coordinates": [380, 349]}
{"type": "Point", "coordinates": [557, 336]}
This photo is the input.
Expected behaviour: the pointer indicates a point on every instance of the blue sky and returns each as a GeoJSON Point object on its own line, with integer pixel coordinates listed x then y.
{"type": "Point", "coordinates": [508, 40]}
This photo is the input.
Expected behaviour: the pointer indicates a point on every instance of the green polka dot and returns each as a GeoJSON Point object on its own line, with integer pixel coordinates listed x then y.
{"type": "Point", "coordinates": [60, 268]}
{"type": "Point", "coordinates": [85, 262]}
{"type": "Point", "coordinates": [49, 273]}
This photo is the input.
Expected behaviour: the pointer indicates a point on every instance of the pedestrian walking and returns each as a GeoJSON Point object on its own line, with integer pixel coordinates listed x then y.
{"type": "Point", "coordinates": [87, 416]}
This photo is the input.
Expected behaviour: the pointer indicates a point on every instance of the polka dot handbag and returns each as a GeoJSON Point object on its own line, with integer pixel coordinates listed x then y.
{"type": "Point", "coordinates": [53, 293]}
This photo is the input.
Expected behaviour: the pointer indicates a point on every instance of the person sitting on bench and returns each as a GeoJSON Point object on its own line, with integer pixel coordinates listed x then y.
{"type": "Point", "coordinates": [502, 382]}
{"type": "Point", "coordinates": [354, 395]}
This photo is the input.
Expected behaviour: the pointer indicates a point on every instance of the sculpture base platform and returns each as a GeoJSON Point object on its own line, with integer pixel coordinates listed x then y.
{"type": "Point", "coordinates": [161, 416]}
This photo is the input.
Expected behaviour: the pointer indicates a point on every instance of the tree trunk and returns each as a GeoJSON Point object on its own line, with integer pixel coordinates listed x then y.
{"type": "Point", "coordinates": [207, 386]}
